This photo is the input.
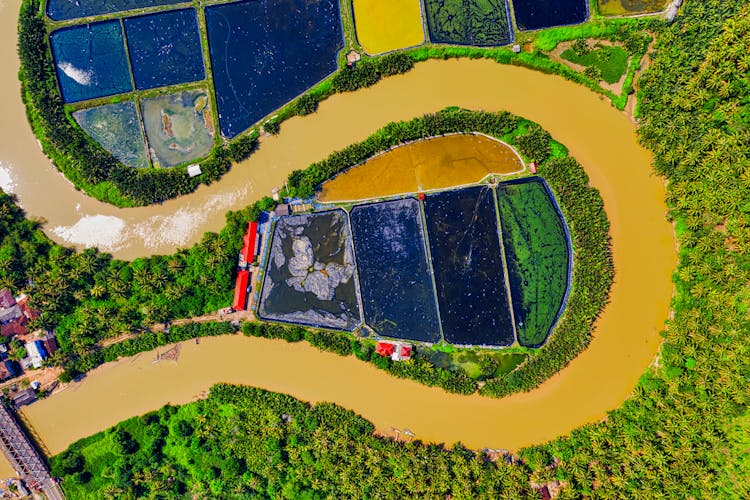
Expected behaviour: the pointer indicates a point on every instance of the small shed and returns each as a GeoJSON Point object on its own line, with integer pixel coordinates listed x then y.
{"type": "Point", "coordinates": [36, 352]}
{"type": "Point", "coordinates": [194, 170]}
{"type": "Point", "coordinates": [283, 209]}
{"type": "Point", "coordinates": [385, 349]}
{"type": "Point", "coordinates": [25, 397]}
{"type": "Point", "coordinates": [352, 57]}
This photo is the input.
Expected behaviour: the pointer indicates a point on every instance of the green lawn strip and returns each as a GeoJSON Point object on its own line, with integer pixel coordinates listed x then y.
{"type": "Point", "coordinates": [612, 61]}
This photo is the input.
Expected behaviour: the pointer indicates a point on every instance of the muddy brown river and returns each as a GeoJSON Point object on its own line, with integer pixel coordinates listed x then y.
{"type": "Point", "coordinates": [601, 138]}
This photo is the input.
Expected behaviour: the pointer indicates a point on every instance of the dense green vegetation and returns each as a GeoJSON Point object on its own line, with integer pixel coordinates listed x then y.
{"type": "Point", "coordinates": [683, 433]}
{"type": "Point", "coordinates": [88, 297]}
{"type": "Point", "coordinates": [536, 251]}
{"type": "Point", "coordinates": [608, 62]}
{"type": "Point", "coordinates": [472, 22]}
{"type": "Point", "coordinates": [249, 443]}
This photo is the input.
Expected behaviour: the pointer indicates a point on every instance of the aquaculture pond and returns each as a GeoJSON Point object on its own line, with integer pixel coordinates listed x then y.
{"type": "Point", "coordinates": [117, 128]}
{"type": "Point", "coordinates": [165, 48]}
{"type": "Point", "coordinates": [61, 10]}
{"type": "Point", "coordinates": [538, 257]}
{"type": "Point", "coordinates": [398, 297]}
{"type": "Point", "coordinates": [386, 25]}
{"type": "Point", "coordinates": [469, 22]}
{"type": "Point", "coordinates": [90, 61]}
{"type": "Point", "coordinates": [538, 14]}
{"type": "Point", "coordinates": [310, 272]}
{"type": "Point", "coordinates": [468, 266]}
{"type": "Point", "coordinates": [435, 163]}
{"type": "Point", "coordinates": [179, 127]}
{"type": "Point", "coordinates": [264, 53]}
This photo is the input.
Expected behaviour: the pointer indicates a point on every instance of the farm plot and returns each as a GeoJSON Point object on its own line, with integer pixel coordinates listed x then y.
{"type": "Point", "coordinates": [117, 129]}
{"type": "Point", "coordinates": [394, 273]}
{"type": "Point", "coordinates": [90, 61]}
{"type": "Point", "coordinates": [386, 25]}
{"type": "Point", "coordinates": [611, 62]}
{"type": "Point", "coordinates": [179, 127]}
{"type": "Point", "coordinates": [469, 22]}
{"type": "Point", "coordinates": [536, 248]}
{"type": "Point", "coordinates": [538, 14]}
{"type": "Point", "coordinates": [62, 10]}
{"type": "Point", "coordinates": [165, 48]}
{"type": "Point", "coordinates": [310, 272]}
{"type": "Point", "coordinates": [624, 7]}
{"type": "Point", "coordinates": [264, 53]}
{"type": "Point", "coordinates": [467, 262]}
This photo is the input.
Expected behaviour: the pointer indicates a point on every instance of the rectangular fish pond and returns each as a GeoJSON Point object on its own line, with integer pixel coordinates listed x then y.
{"type": "Point", "coordinates": [165, 48]}
{"type": "Point", "coordinates": [90, 61]}
{"type": "Point", "coordinates": [62, 10]}
{"type": "Point", "coordinates": [117, 128]}
{"type": "Point", "coordinates": [538, 255]}
{"type": "Point", "coordinates": [467, 262]}
{"type": "Point", "coordinates": [538, 14]}
{"type": "Point", "coordinates": [310, 274]}
{"type": "Point", "coordinates": [264, 53]}
{"type": "Point", "coordinates": [398, 297]}
{"type": "Point", "coordinates": [469, 22]}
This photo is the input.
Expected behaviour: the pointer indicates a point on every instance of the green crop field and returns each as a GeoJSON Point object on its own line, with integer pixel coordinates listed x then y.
{"type": "Point", "coordinates": [611, 61]}
{"type": "Point", "coordinates": [537, 256]}
{"type": "Point", "coordinates": [468, 22]}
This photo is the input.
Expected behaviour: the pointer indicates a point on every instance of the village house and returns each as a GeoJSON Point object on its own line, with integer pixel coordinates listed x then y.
{"type": "Point", "coordinates": [12, 318]}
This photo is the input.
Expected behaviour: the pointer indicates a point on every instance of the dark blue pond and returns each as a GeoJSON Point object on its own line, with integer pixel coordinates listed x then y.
{"type": "Point", "coordinates": [538, 14]}
{"type": "Point", "coordinates": [165, 48]}
{"type": "Point", "coordinates": [61, 10]}
{"type": "Point", "coordinates": [467, 262]}
{"type": "Point", "coordinates": [90, 61]}
{"type": "Point", "coordinates": [266, 52]}
{"type": "Point", "coordinates": [394, 272]}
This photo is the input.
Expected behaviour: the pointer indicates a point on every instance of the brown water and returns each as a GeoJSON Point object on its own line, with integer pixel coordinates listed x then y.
{"type": "Point", "coordinates": [601, 138]}
{"type": "Point", "coordinates": [435, 163]}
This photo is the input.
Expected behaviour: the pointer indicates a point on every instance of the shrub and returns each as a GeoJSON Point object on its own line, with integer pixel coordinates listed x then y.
{"type": "Point", "coordinates": [306, 104]}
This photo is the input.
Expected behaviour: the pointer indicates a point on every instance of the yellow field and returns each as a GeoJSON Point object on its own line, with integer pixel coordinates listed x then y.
{"type": "Point", "coordinates": [385, 25]}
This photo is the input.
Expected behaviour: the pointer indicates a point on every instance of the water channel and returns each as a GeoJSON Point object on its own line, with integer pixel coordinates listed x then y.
{"type": "Point", "coordinates": [601, 138]}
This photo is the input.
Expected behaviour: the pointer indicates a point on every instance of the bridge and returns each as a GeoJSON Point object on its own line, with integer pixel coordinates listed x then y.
{"type": "Point", "coordinates": [24, 458]}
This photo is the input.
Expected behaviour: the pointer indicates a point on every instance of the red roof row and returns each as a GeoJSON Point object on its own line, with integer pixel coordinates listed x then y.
{"type": "Point", "coordinates": [240, 290]}
{"type": "Point", "coordinates": [249, 242]}
{"type": "Point", "coordinates": [387, 349]}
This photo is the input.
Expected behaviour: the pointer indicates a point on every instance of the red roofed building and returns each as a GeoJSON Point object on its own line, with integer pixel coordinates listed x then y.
{"type": "Point", "coordinates": [240, 290]}
{"type": "Point", "coordinates": [385, 349]}
{"type": "Point", "coordinates": [404, 352]}
{"type": "Point", "coordinates": [396, 351]}
{"type": "Point", "coordinates": [249, 242]}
